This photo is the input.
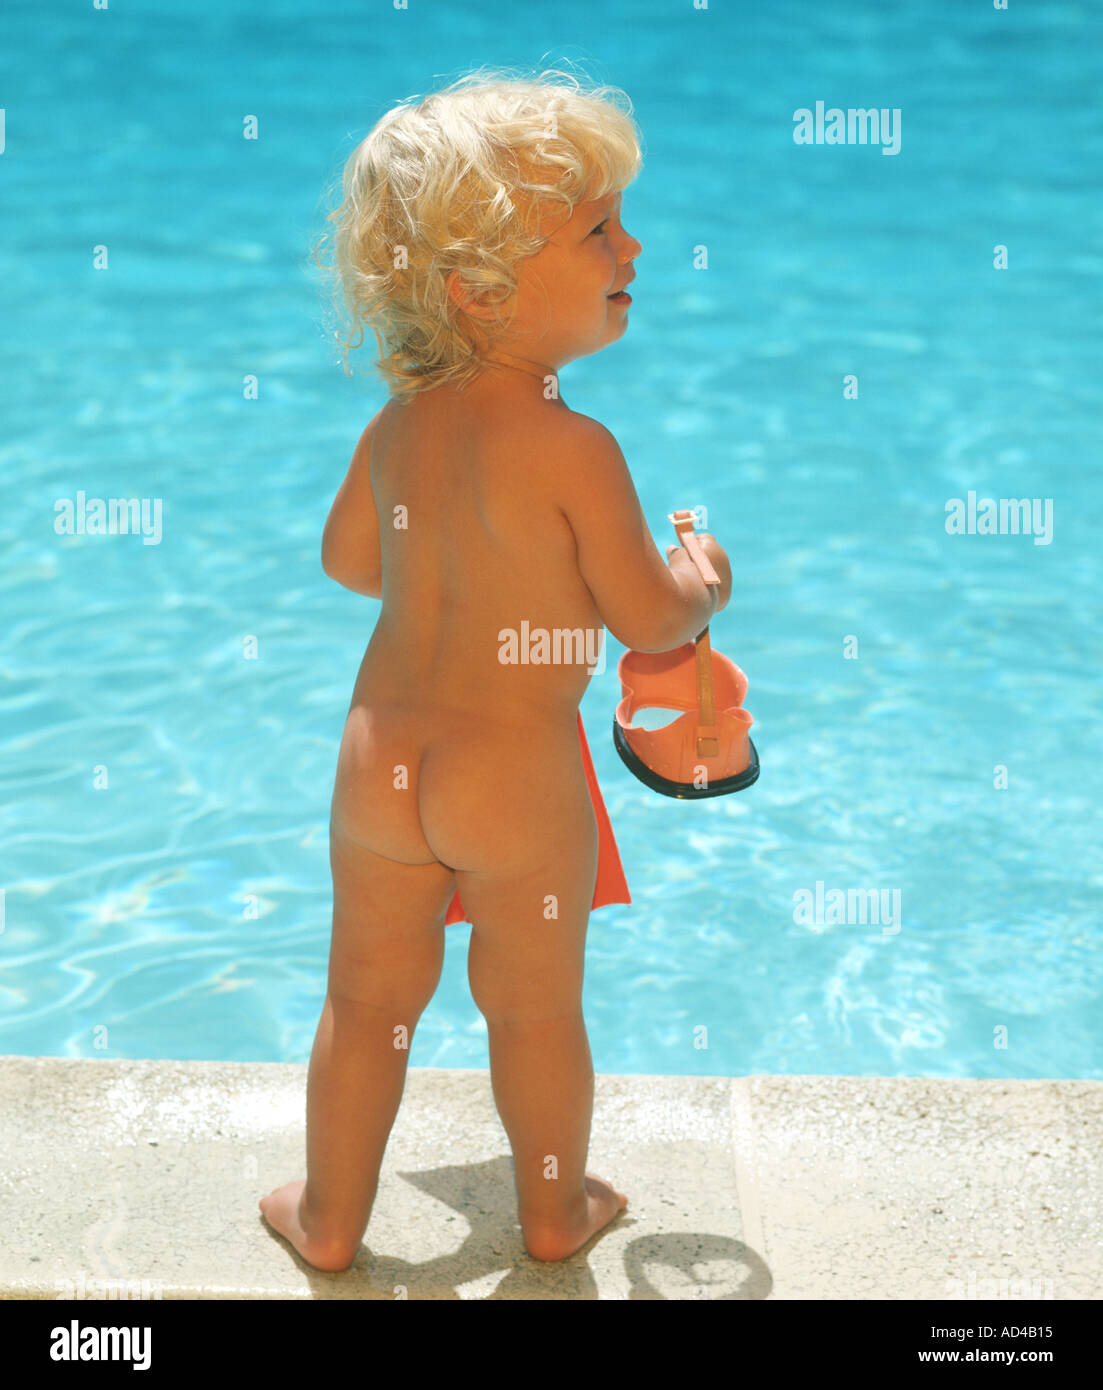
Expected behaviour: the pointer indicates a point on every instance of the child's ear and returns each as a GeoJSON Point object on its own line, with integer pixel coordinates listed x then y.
{"type": "Point", "coordinates": [464, 298]}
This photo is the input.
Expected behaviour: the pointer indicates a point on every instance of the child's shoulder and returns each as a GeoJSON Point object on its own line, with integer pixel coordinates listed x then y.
{"type": "Point", "coordinates": [555, 429]}
{"type": "Point", "coordinates": [582, 448]}
{"type": "Point", "coordinates": [556, 443]}
{"type": "Point", "coordinates": [571, 455]}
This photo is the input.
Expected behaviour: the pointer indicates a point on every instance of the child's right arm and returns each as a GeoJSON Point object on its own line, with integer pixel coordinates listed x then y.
{"type": "Point", "coordinates": [643, 603]}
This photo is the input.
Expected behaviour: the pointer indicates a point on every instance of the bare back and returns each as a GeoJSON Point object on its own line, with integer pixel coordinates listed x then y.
{"type": "Point", "coordinates": [474, 545]}
{"type": "Point", "coordinates": [509, 535]}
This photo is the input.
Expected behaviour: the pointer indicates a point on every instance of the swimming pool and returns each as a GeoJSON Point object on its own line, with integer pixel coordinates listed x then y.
{"type": "Point", "coordinates": [167, 780]}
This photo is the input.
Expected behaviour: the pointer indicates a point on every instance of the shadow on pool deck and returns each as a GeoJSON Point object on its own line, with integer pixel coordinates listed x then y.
{"type": "Point", "coordinates": [746, 1188]}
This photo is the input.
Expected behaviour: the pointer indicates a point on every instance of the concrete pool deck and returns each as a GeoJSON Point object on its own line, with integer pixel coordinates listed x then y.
{"type": "Point", "coordinates": [146, 1175]}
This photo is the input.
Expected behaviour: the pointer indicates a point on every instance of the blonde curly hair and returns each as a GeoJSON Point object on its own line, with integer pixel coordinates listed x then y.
{"type": "Point", "coordinates": [461, 181]}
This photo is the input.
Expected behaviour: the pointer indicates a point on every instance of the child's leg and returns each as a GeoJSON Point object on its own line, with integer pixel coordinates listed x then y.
{"type": "Point", "coordinates": [525, 970]}
{"type": "Point", "coordinates": [385, 963]}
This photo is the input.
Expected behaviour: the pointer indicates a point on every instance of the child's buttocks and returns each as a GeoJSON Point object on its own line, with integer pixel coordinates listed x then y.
{"type": "Point", "coordinates": [426, 784]}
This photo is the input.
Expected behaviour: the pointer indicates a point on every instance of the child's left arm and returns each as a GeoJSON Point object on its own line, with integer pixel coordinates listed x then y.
{"type": "Point", "coordinates": [350, 541]}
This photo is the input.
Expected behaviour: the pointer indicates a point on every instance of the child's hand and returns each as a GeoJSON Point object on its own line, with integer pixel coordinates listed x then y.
{"type": "Point", "coordinates": [678, 559]}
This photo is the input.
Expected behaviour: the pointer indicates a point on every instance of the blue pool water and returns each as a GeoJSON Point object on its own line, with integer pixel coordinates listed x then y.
{"type": "Point", "coordinates": [182, 909]}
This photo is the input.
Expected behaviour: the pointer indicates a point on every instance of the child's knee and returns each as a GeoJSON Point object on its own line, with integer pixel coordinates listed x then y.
{"type": "Point", "coordinates": [368, 1003]}
{"type": "Point", "coordinates": [513, 999]}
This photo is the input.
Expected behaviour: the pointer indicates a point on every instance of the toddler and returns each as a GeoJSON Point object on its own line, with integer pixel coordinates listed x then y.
{"type": "Point", "coordinates": [481, 237]}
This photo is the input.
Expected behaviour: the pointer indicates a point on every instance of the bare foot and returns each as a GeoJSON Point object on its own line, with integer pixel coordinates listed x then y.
{"type": "Point", "coordinates": [603, 1204]}
{"type": "Point", "coordinates": [282, 1211]}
